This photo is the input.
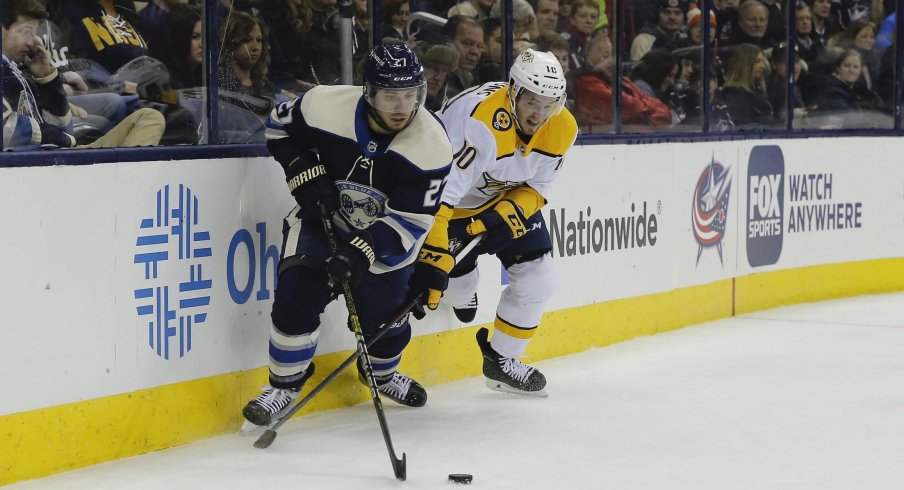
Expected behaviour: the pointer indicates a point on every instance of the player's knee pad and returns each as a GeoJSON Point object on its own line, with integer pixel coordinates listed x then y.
{"type": "Point", "coordinates": [461, 288]}
{"type": "Point", "coordinates": [301, 296]}
{"type": "Point", "coordinates": [535, 281]}
{"type": "Point", "coordinates": [392, 343]}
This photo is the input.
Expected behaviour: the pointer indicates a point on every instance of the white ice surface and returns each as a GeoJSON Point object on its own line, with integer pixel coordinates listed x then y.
{"type": "Point", "coordinates": [802, 397]}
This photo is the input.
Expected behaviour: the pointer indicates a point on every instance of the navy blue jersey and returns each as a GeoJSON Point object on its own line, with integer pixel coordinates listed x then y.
{"type": "Point", "coordinates": [389, 185]}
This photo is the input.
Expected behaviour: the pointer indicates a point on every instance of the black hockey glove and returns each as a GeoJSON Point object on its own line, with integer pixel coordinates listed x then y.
{"type": "Point", "coordinates": [500, 225]}
{"type": "Point", "coordinates": [310, 184]}
{"type": "Point", "coordinates": [430, 278]}
{"type": "Point", "coordinates": [351, 259]}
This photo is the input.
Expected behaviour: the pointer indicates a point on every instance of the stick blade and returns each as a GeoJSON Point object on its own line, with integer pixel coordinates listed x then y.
{"type": "Point", "coordinates": [267, 438]}
{"type": "Point", "coordinates": [399, 468]}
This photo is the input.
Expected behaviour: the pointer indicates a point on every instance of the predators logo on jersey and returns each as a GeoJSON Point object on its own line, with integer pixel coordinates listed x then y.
{"type": "Point", "coordinates": [502, 120]}
{"type": "Point", "coordinates": [492, 187]}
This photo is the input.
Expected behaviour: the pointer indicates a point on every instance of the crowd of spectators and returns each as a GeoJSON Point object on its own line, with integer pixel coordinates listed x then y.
{"type": "Point", "coordinates": [110, 73]}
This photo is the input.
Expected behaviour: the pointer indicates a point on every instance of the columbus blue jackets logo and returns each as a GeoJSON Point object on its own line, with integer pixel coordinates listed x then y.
{"type": "Point", "coordinates": [710, 208]}
{"type": "Point", "coordinates": [361, 205]}
{"type": "Point", "coordinates": [502, 120]}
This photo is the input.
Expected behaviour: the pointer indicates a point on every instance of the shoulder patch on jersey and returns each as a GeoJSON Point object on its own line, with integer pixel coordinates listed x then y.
{"type": "Point", "coordinates": [332, 108]}
{"type": "Point", "coordinates": [502, 120]}
{"type": "Point", "coordinates": [424, 142]}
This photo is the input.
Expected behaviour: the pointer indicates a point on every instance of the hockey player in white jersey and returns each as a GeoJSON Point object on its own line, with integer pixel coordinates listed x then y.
{"type": "Point", "coordinates": [379, 163]}
{"type": "Point", "coordinates": [509, 142]}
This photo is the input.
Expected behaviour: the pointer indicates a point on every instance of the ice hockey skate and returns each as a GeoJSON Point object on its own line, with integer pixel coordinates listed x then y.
{"type": "Point", "coordinates": [508, 374]}
{"type": "Point", "coordinates": [466, 313]}
{"type": "Point", "coordinates": [398, 388]}
{"type": "Point", "coordinates": [269, 406]}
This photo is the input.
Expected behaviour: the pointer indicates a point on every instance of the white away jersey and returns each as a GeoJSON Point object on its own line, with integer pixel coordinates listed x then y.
{"type": "Point", "coordinates": [490, 157]}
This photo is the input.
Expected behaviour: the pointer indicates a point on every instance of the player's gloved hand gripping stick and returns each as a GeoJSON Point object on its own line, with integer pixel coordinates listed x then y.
{"type": "Point", "coordinates": [398, 465]}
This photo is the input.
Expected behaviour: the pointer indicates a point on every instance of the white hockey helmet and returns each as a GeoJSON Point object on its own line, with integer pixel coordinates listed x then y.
{"type": "Point", "coordinates": [540, 73]}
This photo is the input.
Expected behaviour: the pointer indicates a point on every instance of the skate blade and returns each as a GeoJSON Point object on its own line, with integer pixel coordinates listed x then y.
{"type": "Point", "coordinates": [504, 388]}
{"type": "Point", "coordinates": [249, 429]}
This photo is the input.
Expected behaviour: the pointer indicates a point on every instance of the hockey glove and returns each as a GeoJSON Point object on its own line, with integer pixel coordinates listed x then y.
{"type": "Point", "coordinates": [351, 259]}
{"type": "Point", "coordinates": [500, 225]}
{"type": "Point", "coordinates": [310, 184]}
{"type": "Point", "coordinates": [431, 275]}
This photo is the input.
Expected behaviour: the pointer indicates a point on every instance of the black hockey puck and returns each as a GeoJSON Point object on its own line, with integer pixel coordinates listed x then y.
{"type": "Point", "coordinates": [461, 478]}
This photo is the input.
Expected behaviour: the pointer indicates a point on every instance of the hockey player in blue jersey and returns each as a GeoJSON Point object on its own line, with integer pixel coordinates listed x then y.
{"type": "Point", "coordinates": [379, 164]}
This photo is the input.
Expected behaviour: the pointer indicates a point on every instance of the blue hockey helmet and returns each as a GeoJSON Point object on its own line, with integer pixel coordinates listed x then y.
{"type": "Point", "coordinates": [394, 80]}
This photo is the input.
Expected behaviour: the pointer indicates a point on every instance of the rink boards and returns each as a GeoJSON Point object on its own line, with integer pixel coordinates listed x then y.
{"type": "Point", "coordinates": [136, 296]}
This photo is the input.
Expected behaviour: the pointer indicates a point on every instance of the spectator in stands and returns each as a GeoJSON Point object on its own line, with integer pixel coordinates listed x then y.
{"type": "Point", "coordinates": [809, 47]}
{"type": "Point", "coordinates": [153, 18]}
{"type": "Point", "coordinates": [582, 22]}
{"type": "Point", "coordinates": [777, 86]}
{"type": "Point", "coordinates": [719, 117]}
{"type": "Point", "coordinates": [565, 7]}
{"type": "Point", "coordinates": [438, 60]}
{"type": "Point", "coordinates": [775, 26]}
{"type": "Point", "coordinates": [490, 68]}
{"type": "Point", "coordinates": [655, 76]}
{"type": "Point", "coordinates": [847, 97]}
{"type": "Point", "coordinates": [744, 91]}
{"type": "Point", "coordinates": [183, 47]}
{"type": "Point", "coordinates": [395, 17]}
{"type": "Point", "coordinates": [825, 23]}
{"type": "Point", "coordinates": [322, 42]}
{"type": "Point", "coordinates": [753, 24]}
{"type": "Point", "coordinates": [726, 18]}
{"type": "Point", "coordinates": [547, 13]}
{"type": "Point", "coordinates": [695, 27]}
{"type": "Point", "coordinates": [860, 35]}
{"type": "Point", "coordinates": [549, 41]}
{"type": "Point", "coordinates": [361, 31]}
{"type": "Point", "coordinates": [106, 31]}
{"type": "Point", "coordinates": [667, 34]}
{"type": "Point", "coordinates": [95, 113]}
{"type": "Point", "coordinates": [524, 22]}
{"type": "Point", "coordinates": [38, 91]}
{"type": "Point", "coordinates": [246, 94]}
{"type": "Point", "coordinates": [289, 24]}
{"type": "Point", "coordinates": [466, 34]}
{"type": "Point", "coordinates": [886, 35]}
{"type": "Point", "coordinates": [593, 100]}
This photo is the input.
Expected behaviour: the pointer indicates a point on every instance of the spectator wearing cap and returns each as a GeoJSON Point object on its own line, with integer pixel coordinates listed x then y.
{"type": "Point", "coordinates": [666, 34]}
{"type": "Point", "coordinates": [438, 61]}
{"type": "Point", "coordinates": [777, 85]}
{"type": "Point", "coordinates": [695, 26]}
